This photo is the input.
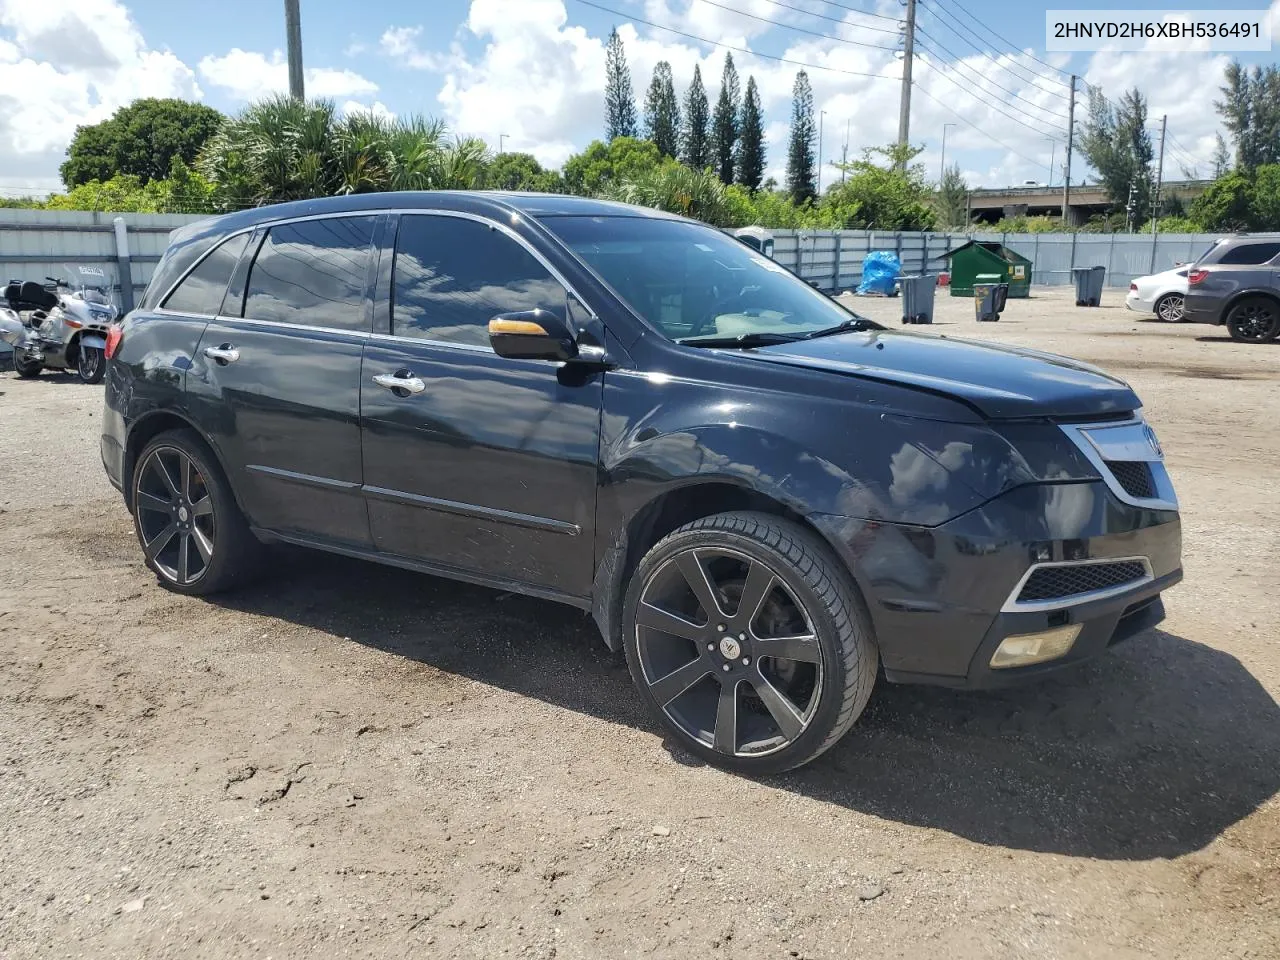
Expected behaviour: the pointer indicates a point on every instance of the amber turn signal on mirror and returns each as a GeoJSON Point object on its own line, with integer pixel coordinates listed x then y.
{"type": "Point", "coordinates": [527, 328]}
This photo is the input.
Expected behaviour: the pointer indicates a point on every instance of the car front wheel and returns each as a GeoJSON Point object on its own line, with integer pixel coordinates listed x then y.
{"type": "Point", "coordinates": [748, 640]}
{"type": "Point", "coordinates": [1171, 308]}
{"type": "Point", "coordinates": [1254, 320]}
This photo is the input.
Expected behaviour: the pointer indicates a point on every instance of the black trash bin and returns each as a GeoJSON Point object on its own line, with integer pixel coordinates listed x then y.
{"type": "Point", "coordinates": [989, 300]}
{"type": "Point", "coordinates": [1089, 282]}
{"type": "Point", "coordinates": [917, 298]}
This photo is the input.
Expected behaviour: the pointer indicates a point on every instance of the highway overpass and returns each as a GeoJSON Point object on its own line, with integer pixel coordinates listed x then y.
{"type": "Point", "coordinates": [989, 204]}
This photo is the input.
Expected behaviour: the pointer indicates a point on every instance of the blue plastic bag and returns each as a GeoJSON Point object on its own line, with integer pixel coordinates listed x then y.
{"type": "Point", "coordinates": [880, 271]}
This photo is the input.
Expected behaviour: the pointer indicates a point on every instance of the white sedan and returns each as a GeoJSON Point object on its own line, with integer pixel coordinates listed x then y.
{"type": "Point", "coordinates": [1164, 294]}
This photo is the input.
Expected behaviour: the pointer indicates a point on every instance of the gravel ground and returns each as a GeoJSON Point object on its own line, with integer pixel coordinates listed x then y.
{"type": "Point", "coordinates": [349, 760]}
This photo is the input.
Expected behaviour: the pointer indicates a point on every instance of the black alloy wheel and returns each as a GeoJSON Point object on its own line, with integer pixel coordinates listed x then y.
{"type": "Point", "coordinates": [1254, 320]}
{"type": "Point", "coordinates": [91, 364]}
{"type": "Point", "coordinates": [176, 521]}
{"type": "Point", "coordinates": [744, 637]}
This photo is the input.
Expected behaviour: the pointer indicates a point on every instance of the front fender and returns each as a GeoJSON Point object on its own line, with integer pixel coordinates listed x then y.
{"type": "Point", "coordinates": [92, 340]}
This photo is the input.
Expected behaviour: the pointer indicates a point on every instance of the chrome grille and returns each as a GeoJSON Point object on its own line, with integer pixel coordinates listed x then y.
{"type": "Point", "coordinates": [1068, 580]}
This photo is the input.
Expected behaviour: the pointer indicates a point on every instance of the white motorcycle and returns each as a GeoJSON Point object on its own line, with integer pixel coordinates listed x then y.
{"type": "Point", "coordinates": [59, 325]}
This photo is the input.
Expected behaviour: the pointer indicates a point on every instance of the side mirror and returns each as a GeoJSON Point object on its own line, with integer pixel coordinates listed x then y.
{"type": "Point", "coordinates": [532, 335]}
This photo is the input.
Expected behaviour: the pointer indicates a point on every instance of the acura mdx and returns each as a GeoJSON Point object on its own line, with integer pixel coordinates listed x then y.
{"type": "Point", "coordinates": [766, 501]}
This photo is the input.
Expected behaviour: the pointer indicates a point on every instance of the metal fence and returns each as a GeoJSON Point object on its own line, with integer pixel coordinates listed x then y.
{"type": "Point", "coordinates": [35, 244]}
{"type": "Point", "coordinates": [833, 258]}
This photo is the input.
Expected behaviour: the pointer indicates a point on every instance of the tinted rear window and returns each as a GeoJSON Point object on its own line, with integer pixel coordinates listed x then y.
{"type": "Point", "coordinates": [1248, 254]}
{"type": "Point", "coordinates": [202, 290]}
{"type": "Point", "coordinates": [177, 260]}
{"type": "Point", "coordinates": [312, 273]}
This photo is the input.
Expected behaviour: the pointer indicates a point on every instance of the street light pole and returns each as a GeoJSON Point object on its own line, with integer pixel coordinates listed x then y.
{"type": "Point", "coordinates": [942, 167]}
{"type": "Point", "coordinates": [501, 137]}
{"type": "Point", "coordinates": [821, 116]}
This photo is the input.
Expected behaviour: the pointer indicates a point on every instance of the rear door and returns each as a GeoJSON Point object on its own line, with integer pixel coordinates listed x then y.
{"type": "Point", "coordinates": [276, 379]}
{"type": "Point", "coordinates": [489, 465]}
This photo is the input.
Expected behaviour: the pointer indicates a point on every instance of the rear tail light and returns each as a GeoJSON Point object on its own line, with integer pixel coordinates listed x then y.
{"type": "Point", "coordinates": [1133, 287]}
{"type": "Point", "coordinates": [1196, 277]}
{"type": "Point", "coordinates": [115, 333]}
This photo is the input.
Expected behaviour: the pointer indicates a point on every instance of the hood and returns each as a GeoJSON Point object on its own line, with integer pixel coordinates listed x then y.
{"type": "Point", "coordinates": [1000, 381]}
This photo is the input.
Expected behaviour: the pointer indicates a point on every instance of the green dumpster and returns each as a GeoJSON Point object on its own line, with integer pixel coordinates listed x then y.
{"type": "Point", "coordinates": [981, 261]}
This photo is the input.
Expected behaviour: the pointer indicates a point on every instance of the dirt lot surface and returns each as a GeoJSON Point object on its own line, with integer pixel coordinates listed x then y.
{"type": "Point", "coordinates": [347, 760]}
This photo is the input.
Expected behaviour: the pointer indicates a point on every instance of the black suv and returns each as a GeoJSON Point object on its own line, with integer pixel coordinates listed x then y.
{"type": "Point", "coordinates": [761, 497]}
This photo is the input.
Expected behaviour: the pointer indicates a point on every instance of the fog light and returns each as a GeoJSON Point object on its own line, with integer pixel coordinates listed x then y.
{"type": "Point", "coordinates": [1023, 649]}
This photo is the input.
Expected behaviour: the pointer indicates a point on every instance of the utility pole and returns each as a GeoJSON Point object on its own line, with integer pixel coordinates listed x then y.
{"type": "Point", "coordinates": [1155, 201]}
{"type": "Point", "coordinates": [908, 54]}
{"type": "Point", "coordinates": [501, 137]}
{"type": "Point", "coordinates": [1128, 207]}
{"type": "Point", "coordinates": [822, 115]}
{"type": "Point", "coordinates": [844, 151]}
{"type": "Point", "coordinates": [293, 34]}
{"type": "Point", "coordinates": [1066, 180]}
{"type": "Point", "coordinates": [942, 167]}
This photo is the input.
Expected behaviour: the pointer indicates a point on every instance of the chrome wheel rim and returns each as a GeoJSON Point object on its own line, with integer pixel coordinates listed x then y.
{"type": "Point", "coordinates": [1171, 309]}
{"type": "Point", "coordinates": [89, 361]}
{"type": "Point", "coordinates": [728, 651]}
{"type": "Point", "coordinates": [175, 515]}
{"type": "Point", "coordinates": [1255, 321]}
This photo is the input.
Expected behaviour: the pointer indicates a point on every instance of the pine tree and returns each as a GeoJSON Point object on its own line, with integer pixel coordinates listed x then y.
{"type": "Point", "coordinates": [750, 159]}
{"type": "Point", "coordinates": [1221, 157]}
{"type": "Point", "coordinates": [695, 139]}
{"type": "Point", "coordinates": [662, 111]}
{"type": "Point", "coordinates": [800, 158]}
{"type": "Point", "coordinates": [619, 102]}
{"type": "Point", "coordinates": [1250, 110]}
{"type": "Point", "coordinates": [724, 123]}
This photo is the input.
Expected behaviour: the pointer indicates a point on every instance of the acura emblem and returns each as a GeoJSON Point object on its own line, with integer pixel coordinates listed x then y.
{"type": "Point", "coordinates": [1153, 442]}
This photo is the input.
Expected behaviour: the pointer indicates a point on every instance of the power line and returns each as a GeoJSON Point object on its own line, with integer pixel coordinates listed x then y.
{"type": "Point", "coordinates": [974, 126]}
{"type": "Point", "coordinates": [955, 24]}
{"type": "Point", "coordinates": [983, 26]}
{"type": "Point", "coordinates": [864, 13]}
{"type": "Point", "coordinates": [1036, 130]}
{"type": "Point", "coordinates": [840, 20]}
{"type": "Point", "coordinates": [958, 61]}
{"type": "Point", "coordinates": [787, 26]}
{"type": "Point", "coordinates": [727, 46]}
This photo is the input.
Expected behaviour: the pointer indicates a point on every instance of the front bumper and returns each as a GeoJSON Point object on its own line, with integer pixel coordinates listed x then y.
{"type": "Point", "coordinates": [937, 595]}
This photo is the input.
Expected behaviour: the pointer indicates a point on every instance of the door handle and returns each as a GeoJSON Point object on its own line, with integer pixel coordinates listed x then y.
{"type": "Point", "coordinates": [224, 354]}
{"type": "Point", "coordinates": [400, 381]}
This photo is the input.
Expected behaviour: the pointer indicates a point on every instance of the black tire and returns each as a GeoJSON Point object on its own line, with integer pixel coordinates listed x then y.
{"type": "Point", "coordinates": [235, 552]}
{"type": "Point", "coordinates": [811, 583]}
{"type": "Point", "coordinates": [26, 369]}
{"type": "Point", "coordinates": [1254, 320]}
{"type": "Point", "coordinates": [91, 364]}
{"type": "Point", "coordinates": [1171, 308]}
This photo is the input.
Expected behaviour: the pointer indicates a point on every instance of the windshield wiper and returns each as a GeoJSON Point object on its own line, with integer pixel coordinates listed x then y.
{"type": "Point", "coordinates": [845, 326]}
{"type": "Point", "coordinates": [743, 341]}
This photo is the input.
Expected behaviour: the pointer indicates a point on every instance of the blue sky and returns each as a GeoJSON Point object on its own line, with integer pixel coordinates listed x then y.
{"type": "Point", "coordinates": [533, 70]}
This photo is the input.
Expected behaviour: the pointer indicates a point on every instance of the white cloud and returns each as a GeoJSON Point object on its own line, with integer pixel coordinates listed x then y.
{"type": "Point", "coordinates": [63, 64]}
{"type": "Point", "coordinates": [401, 44]}
{"type": "Point", "coordinates": [249, 75]}
{"type": "Point", "coordinates": [377, 108]}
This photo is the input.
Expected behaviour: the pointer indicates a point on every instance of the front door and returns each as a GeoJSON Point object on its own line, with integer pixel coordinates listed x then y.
{"type": "Point", "coordinates": [276, 378]}
{"type": "Point", "coordinates": [479, 463]}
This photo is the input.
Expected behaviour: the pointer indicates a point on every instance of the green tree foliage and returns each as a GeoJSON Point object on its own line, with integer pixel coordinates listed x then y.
{"type": "Point", "coordinates": [749, 165]}
{"type": "Point", "coordinates": [1250, 110]}
{"type": "Point", "coordinates": [139, 140]}
{"type": "Point", "coordinates": [602, 165]}
{"type": "Point", "coordinates": [521, 171]}
{"type": "Point", "coordinates": [724, 123]}
{"type": "Point", "coordinates": [619, 101]}
{"type": "Point", "coordinates": [951, 202]}
{"type": "Point", "coordinates": [1242, 200]}
{"type": "Point", "coordinates": [895, 196]}
{"type": "Point", "coordinates": [1117, 144]}
{"type": "Point", "coordinates": [281, 149]}
{"type": "Point", "coordinates": [1221, 157]}
{"type": "Point", "coordinates": [800, 157]}
{"type": "Point", "coordinates": [183, 191]}
{"type": "Point", "coordinates": [662, 111]}
{"type": "Point", "coordinates": [695, 137]}
{"type": "Point", "coordinates": [678, 188]}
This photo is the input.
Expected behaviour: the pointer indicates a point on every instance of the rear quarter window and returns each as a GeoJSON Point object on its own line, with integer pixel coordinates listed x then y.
{"type": "Point", "coordinates": [176, 261]}
{"type": "Point", "coordinates": [1252, 254]}
{"type": "Point", "coordinates": [202, 290]}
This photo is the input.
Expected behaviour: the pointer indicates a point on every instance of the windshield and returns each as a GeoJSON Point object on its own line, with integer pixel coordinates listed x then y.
{"type": "Point", "coordinates": [694, 283]}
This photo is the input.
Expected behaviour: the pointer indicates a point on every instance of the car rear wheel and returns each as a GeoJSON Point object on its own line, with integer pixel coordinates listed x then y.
{"type": "Point", "coordinates": [1254, 320]}
{"type": "Point", "coordinates": [749, 642]}
{"type": "Point", "coordinates": [192, 533]}
{"type": "Point", "coordinates": [1171, 307]}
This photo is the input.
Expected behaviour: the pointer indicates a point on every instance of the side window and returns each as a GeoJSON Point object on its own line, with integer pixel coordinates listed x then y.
{"type": "Point", "coordinates": [452, 276]}
{"type": "Point", "coordinates": [203, 288]}
{"type": "Point", "coordinates": [1251, 254]}
{"type": "Point", "coordinates": [313, 273]}
{"type": "Point", "coordinates": [174, 263]}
